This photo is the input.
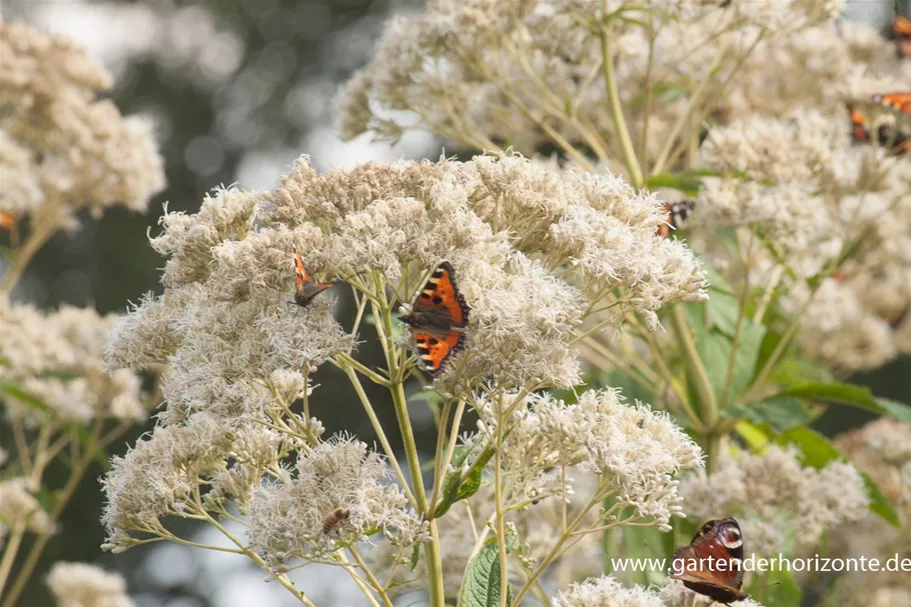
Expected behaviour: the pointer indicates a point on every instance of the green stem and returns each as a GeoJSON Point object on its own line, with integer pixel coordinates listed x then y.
{"type": "Point", "coordinates": [33, 243]}
{"type": "Point", "coordinates": [616, 109]}
{"type": "Point", "coordinates": [709, 405]}
{"type": "Point", "coordinates": [383, 314]}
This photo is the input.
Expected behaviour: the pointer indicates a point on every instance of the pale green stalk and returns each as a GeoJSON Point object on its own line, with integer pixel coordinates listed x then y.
{"type": "Point", "coordinates": [616, 109]}
{"type": "Point", "coordinates": [383, 315]}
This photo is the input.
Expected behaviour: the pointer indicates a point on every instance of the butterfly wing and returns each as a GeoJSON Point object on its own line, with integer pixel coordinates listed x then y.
{"type": "Point", "coordinates": [433, 351]}
{"type": "Point", "coordinates": [859, 130]}
{"type": "Point", "coordinates": [307, 288]}
{"type": "Point", "coordinates": [437, 314]}
{"type": "Point", "coordinates": [675, 213]}
{"type": "Point", "coordinates": [895, 101]}
{"type": "Point", "coordinates": [717, 541]}
{"type": "Point", "coordinates": [439, 305]}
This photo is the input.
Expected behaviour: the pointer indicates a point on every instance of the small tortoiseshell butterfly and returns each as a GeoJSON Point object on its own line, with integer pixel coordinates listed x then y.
{"type": "Point", "coordinates": [722, 541]}
{"type": "Point", "coordinates": [897, 142]}
{"type": "Point", "coordinates": [307, 288]}
{"type": "Point", "coordinates": [675, 213]}
{"type": "Point", "coordinates": [895, 101]}
{"type": "Point", "coordinates": [901, 33]}
{"type": "Point", "coordinates": [437, 315]}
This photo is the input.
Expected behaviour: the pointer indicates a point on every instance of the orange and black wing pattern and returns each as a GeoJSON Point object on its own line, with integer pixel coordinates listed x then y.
{"type": "Point", "coordinates": [438, 314]}
{"type": "Point", "coordinates": [7, 221]}
{"type": "Point", "coordinates": [860, 131]}
{"type": "Point", "coordinates": [901, 33]}
{"type": "Point", "coordinates": [440, 291]}
{"type": "Point", "coordinates": [896, 101]}
{"type": "Point", "coordinates": [675, 213]}
{"type": "Point", "coordinates": [433, 352]}
{"type": "Point", "coordinates": [307, 287]}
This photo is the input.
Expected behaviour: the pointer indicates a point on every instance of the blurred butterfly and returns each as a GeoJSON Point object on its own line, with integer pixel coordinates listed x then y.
{"type": "Point", "coordinates": [901, 33]}
{"type": "Point", "coordinates": [438, 314]}
{"type": "Point", "coordinates": [887, 136]}
{"type": "Point", "coordinates": [895, 101]}
{"type": "Point", "coordinates": [7, 221]}
{"type": "Point", "coordinates": [721, 540]}
{"type": "Point", "coordinates": [675, 213]}
{"type": "Point", "coordinates": [307, 287]}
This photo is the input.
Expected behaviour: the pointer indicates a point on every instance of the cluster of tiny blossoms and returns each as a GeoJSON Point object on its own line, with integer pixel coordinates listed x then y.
{"type": "Point", "coordinates": [62, 149]}
{"type": "Point", "coordinates": [633, 451]}
{"type": "Point", "coordinates": [826, 198]}
{"type": "Point", "coordinates": [533, 71]}
{"type": "Point", "coordinates": [57, 358]}
{"type": "Point", "coordinates": [605, 591]}
{"type": "Point", "coordinates": [83, 585]}
{"type": "Point", "coordinates": [882, 449]}
{"type": "Point", "coordinates": [534, 250]}
{"type": "Point", "coordinates": [777, 500]}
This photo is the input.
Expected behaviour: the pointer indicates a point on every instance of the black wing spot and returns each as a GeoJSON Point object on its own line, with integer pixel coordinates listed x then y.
{"type": "Point", "coordinates": [437, 300]}
{"type": "Point", "coordinates": [424, 295]}
{"type": "Point", "coordinates": [433, 341]}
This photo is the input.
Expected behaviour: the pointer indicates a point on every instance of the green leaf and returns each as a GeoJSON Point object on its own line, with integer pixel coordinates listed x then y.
{"type": "Point", "coordinates": [754, 436]}
{"type": "Point", "coordinates": [853, 395]}
{"type": "Point", "coordinates": [715, 350]}
{"type": "Point", "coordinates": [879, 503]}
{"type": "Point", "coordinates": [630, 388]}
{"type": "Point", "coordinates": [781, 414]}
{"type": "Point", "coordinates": [682, 182]}
{"type": "Point", "coordinates": [722, 309]}
{"type": "Point", "coordinates": [24, 396]}
{"type": "Point", "coordinates": [453, 488]}
{"type": "Point", "coordinates": [415, 556]}
{"type": "Point", "coordinates": [481, 586]}
{"type": "Point", "coordinates": [818, 451]}
{"type": "Point", "coordinates": [795, 371]}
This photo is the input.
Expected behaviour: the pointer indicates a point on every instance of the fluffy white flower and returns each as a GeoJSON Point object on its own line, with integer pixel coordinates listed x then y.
{"type": "Point", "coordinates": [84, 585]}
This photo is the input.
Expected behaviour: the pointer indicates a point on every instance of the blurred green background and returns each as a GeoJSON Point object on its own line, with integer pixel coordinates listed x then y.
{"type": "Point", "coordinates": [237, 89]}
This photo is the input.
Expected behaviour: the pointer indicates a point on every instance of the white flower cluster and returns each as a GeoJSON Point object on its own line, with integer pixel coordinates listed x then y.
{"type": "Point", "coordinates": [19, 507]}
{"type": "Point", "coordinates": [605, 591]}
{"type": "Point", "coordinates": [84, 585]}
{"type": "Point", "coordinates": [56, 358]}
{"type": "Point", "coordinates": [532, 250]}
{"type": "Point", "coordinates": [777, 499]}
{"type": "Point", "coordinates": [634, 451]}
{"type": "Point", "coordinates": [292, 517]}
{"type": "Point", "coordinates": [824, 197]}
{"type": "Point", "coordinates": [60, 148]}
{"type": "Point", "coordinates": [533, 73]}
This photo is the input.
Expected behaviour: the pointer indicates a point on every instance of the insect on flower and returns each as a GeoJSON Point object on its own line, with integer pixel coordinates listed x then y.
{"type": "Point", "coordinates": [307, 287]}
{"type": "Point", "coordinates": [897, 142]}
{"type": "Point", "coordinates": [901, 33]}
{"type": "Point", "coordinates": [438, 314]}
{"type": "Point", "coordinates": [718, 541]}
{"type": "Point", "coordinates": [675, 213]}
{"type": "Point", "coordinates": [895, 101]}
{"type": "Point", "coordinates": [335, 519]}
{"type": "Point", "coordinates": [7, 221]}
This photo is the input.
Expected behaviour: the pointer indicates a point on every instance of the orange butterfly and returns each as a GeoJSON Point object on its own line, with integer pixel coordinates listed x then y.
{"type": "Point", "coordinates": [7, 221]}
{"type": "Point", "coordinates": [675, 213]}
{"type": "Point", "coordinates": [307, 288]}
{"type": "Point", "coordinates": [438, 314]}
{"type": "Point", "coordinates": [901, 32]}
{"type": "Point", "coordinates": [897, 142]}
{"type": "Point", "coordinates": [895, 101]}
